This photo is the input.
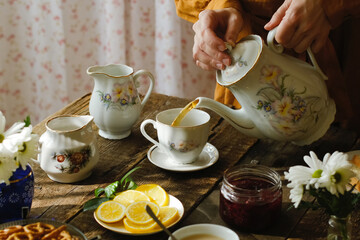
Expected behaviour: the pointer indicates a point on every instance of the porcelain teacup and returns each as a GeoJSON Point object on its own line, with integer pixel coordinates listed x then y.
{"type": "Point", "coordinates": [184, 143]}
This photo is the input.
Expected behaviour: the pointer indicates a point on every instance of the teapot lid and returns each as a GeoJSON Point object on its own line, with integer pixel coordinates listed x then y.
{"type": "Point", "coordinates": [244, 56]}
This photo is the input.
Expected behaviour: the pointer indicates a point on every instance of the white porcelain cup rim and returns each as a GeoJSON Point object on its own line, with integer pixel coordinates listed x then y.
{"type": "Point", "coordinates": [206, 228]}
{"type": "Point", "coordinates": [162, 117]}
{"type": "Point", "coordinates": [182, 144]}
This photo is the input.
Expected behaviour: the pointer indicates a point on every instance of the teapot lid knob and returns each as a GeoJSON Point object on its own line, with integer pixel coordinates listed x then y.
{"type": "Point", "coordinates": [244, 56]}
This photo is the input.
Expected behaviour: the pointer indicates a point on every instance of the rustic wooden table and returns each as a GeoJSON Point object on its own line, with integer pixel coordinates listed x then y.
{"type": "Point", "coordinates": [198, 191]}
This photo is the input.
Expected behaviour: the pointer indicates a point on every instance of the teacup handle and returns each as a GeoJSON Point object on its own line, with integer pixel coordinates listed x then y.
{"type": "Point", "coordinates": [142, 129]}
{"type": "Point", "coordinates": [151, 86]}
{"type": "Point", "coordinates": [278, 48]}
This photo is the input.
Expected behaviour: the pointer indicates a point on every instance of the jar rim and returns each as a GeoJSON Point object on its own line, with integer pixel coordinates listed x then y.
{"type": "Point", "coordinates": [260, 171]}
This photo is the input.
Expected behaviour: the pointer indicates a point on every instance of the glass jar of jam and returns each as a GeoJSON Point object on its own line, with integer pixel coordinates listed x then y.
{"type": "Point", "coordinates": [250, 197]}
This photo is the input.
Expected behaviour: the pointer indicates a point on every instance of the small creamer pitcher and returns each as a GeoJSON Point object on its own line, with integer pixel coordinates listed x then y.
{"type": "Point", "coordinates": [68, 149]}
{"type": "Point", "coordinates": [115, 103]}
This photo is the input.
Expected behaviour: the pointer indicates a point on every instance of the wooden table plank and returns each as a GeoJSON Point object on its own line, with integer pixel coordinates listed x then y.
{"type": "Point", "coordinates": [64, 201]}
{"type": "Point", "coordinates": [118, 157]}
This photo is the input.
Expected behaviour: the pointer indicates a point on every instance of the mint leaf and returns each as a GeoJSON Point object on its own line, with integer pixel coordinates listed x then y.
{"type": "Point", "coordinates": [99, 191]}
{"type": "Point", "coordinates": [110, 190]}
{"type": "Point", "coordinates": [130, 184]}
{"type": "Point", "coordinates": [93, 204]}
{"type": "Point", "coordinates": [127, 175]}
{"type": "Point", "coordinates": [126, 181]}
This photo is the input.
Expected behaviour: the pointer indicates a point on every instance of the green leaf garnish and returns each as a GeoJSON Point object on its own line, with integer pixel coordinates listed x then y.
{"type": "Point", "coordinates": [92, 204]}
{"type": "Point", "coordinates": [99, 191]}
{"type": "Point", "coordinates": [110, 191]}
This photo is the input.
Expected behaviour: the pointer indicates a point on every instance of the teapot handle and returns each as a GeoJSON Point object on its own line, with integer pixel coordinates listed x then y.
{"type": "Point", "coordinates": [278, 48]}
{"type": "Point", "coordinates": [151, 86]}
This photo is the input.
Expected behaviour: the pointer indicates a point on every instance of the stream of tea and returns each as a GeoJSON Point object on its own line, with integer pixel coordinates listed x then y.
{"type": "Point", "coordinates": [183, 113]}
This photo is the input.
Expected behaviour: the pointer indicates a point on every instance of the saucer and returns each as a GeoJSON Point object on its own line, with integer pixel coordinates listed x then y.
{"type": "Point", "coordinates": [207, 158]}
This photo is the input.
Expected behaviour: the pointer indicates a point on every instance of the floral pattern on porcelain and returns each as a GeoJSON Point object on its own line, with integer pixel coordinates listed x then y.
{"type": "Point", "coordinates": [93, 32]}
{"type": "Point", "coordinates": [285, 105]}
{"type": "Point", "coordinates": [183, 146]}
{"type": "Point", "coordinates": [72, 161]}
{"type": "Point", "coordinates": [122, 95]}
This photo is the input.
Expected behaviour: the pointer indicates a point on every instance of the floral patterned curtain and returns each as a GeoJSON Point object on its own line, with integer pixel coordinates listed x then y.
{"type": "Point", "coordinates": [47, 45]}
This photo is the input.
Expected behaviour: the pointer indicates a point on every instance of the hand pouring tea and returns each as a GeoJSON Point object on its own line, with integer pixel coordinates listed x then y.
{"type": "Point", "coordinates": [281, 97]}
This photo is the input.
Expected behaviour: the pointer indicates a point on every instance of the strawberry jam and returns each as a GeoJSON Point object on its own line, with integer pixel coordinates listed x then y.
{"type": "Point", "coordinates": [250, 197]}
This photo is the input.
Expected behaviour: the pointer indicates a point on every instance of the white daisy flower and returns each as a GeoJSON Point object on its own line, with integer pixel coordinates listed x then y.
{"type": "Point", "coordinates": [324, 179]}
{"type": "Point", "coordinates": [7, 165]}
{"type": "Point", "coordinates": [15, 128]}
{"type": "Point", "coordinates": [301, 175]}
{"type": "Point", "coordinates": [28, 150]}
{"type": "Point", "coordinates": [16, 140]}
{"type": "Point", "coordinates": [296, 194]}
{"type": "Point", "coordinates": [337, 173]}
{"type": "Point", "coordinates": [17, 146]}
{"type": "Point", "coordinates": [4, 135]}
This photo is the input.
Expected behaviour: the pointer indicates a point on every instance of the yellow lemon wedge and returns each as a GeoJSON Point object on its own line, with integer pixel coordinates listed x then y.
{"type": "Point", "coordinates": [130, 196]}
{"type": "Point", "coordinates": [168, 215]}
{"type": "Point", "coordinates": [136, 212]}
{"type": "Point", "coordinates": [156, 193]}
{"type": "Point", "coordinates": [139, 228]}
{"type": "Point", "coordinates": [110, 211]}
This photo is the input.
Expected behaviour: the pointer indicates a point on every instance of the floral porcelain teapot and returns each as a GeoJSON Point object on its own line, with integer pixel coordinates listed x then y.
{"type": "Point", "coordinates": [282, 97]}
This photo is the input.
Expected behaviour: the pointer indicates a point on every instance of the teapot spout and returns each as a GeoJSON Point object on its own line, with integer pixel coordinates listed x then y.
{"type": "Point", "coordinates": [236, 117]}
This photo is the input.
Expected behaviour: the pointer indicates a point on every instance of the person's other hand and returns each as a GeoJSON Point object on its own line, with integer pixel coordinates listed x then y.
{"type": "Point", "coordinates": [211, 30]}
{"type": "Point", "coordinates": [301, 24]}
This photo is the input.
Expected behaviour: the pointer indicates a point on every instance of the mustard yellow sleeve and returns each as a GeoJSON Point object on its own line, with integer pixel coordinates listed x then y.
{"type": "Point", "coordinates": [338, 11]}
{"type": "Point", "coordinates": [190, 9]}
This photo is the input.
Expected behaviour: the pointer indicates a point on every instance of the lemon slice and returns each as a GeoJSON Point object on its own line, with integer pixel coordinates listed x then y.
{"type": "Point", "coordinates": [130, 196]}
{"type": "Point", "coordinates": [136, 212]}
{"type": "Point", "coordinates": [110, 211]}
{"type": "Point", "coordinates": [168, 215]}
{"type": "Point", "coordinates": [139, 228]}
{"type": "Point", "coordinates": [156, 193]}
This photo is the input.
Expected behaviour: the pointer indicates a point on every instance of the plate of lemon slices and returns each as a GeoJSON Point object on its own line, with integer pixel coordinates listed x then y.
{"type": "Point", "coordinates": [126, 213]}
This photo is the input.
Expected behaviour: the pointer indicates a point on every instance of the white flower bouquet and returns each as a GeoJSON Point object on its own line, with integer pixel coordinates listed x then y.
{"type": "Point", "coordinates": [17, 146]}
{"type": "Point", "coordinates": [328, 181]}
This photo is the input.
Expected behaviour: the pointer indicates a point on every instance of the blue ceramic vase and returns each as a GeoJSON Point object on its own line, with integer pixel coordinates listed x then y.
{"type": "Point", "coordinates": [16, 198]}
